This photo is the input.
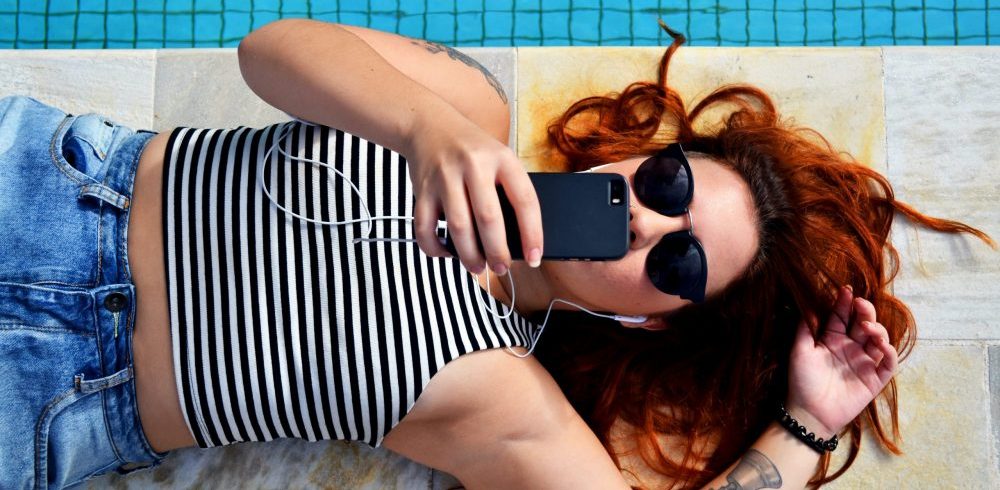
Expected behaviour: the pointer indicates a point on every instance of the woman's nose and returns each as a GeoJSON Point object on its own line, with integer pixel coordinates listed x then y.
{"type": "Point", "coordinates": [648, 226]}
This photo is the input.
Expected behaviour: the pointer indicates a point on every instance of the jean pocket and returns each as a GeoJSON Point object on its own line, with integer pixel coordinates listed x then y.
{"type": "Point", "coordinates": [86, 144]}
{"type": "Point", "coordinates": [72, 441]}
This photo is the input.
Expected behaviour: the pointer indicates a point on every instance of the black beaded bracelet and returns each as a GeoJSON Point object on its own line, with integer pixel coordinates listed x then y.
{"type": "Point", "coordinates": [819, 445]}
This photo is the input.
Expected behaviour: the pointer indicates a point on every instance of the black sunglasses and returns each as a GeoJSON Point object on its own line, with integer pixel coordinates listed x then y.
{"type": "Point", "coordinates": [676, 264]}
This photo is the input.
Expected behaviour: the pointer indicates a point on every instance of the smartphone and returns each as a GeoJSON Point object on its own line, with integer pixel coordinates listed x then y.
{"type": "Point", "coordinates": [585, 216]}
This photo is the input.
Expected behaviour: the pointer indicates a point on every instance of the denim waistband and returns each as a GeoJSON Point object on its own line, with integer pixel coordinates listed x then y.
{"type": "Point", "coordinates": [113, 300]}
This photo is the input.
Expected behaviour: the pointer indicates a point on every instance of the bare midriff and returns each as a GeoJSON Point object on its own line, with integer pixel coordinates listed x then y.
{"type": "Point", "coordinates": [159, 407]}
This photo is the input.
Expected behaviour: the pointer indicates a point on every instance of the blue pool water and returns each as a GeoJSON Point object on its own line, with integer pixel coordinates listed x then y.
{"type": "Point", "coordinates": [222, 23]}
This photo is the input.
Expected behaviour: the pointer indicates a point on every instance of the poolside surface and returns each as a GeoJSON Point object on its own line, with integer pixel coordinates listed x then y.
{"type": "Point", "coordinates": [927, 117]}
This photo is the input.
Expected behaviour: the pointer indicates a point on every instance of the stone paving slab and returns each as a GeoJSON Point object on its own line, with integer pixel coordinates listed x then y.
{"type": "Point", "coordinates": [944, 407]}
{"type": "Point", "coordinates": [943, 120]}
{"type": "Point", "coordinates": [838, 92]}
{"type": "Point", "coordinates": [116, 83]}
{"type": "Point", "coordinates": [203, 88]}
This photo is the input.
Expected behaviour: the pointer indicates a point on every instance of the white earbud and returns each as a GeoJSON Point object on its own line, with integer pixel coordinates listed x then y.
{"type": "Point", "coordinates": [597, 167]}
{"type": "Point", "coordinates": [630, 319]}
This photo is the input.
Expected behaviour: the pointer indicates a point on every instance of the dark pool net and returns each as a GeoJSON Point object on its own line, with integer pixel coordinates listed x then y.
{"type": "Point", "coordinates": [222, 23]}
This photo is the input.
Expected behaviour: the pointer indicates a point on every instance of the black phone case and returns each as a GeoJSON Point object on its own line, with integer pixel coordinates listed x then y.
{"type": "Point", "coordinates": [579, 221]}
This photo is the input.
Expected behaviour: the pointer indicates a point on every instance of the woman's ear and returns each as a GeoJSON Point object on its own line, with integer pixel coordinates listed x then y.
{"type": "Point", "coordinates": [652, 323]}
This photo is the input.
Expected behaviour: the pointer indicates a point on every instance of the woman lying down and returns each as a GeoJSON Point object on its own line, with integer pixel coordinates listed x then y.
{"type": "Point", "coordinates": [203, 287]}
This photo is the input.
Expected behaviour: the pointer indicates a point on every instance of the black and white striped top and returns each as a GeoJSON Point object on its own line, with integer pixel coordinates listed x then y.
{"type": "Point", "coordinates": [285, 328]}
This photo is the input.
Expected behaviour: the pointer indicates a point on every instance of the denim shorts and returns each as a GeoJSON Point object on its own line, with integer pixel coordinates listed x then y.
{"type": "Point", "coordinates": [68, 407]}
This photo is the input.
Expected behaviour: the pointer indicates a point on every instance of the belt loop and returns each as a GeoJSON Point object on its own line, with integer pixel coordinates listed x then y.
{"type": "Point", "coordinates": [90, 386]}
{"type": "Point", "coordinates": [104, 193]}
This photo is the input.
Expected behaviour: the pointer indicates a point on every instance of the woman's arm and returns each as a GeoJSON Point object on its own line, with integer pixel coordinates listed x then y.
{"type": "Point", "coordinates": [561, 453]}
{"type": "Point", "coordinates": [453, 131]}
{"type": "Point", "coordinates": [776, 460]}
{"type": "Point", "coordinates": [497, 421]}
{"type": "Point", "coordinates": [365, 81]}
{"type": "Point", "coordinates": [455, 77]}
{"type": "Point", "coordinates": [831, 379]}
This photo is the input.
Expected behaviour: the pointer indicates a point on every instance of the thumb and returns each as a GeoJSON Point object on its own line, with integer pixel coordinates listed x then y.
{"type": "Point", "coordinates": [803, 336]}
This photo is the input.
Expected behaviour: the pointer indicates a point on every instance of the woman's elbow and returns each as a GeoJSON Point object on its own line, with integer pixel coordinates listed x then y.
{"type": "Point", "coordinates": [246, 52]}
{"type": "Point", "coordinates": [275, 28]}
{"type": "Point", "coordinates": [257, 54]}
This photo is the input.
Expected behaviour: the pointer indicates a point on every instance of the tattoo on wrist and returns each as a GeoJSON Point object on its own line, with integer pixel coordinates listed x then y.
{"type": "Point", "coordinates": [754, 472]}
{"type": "Point", "coordinates": [456, 55]}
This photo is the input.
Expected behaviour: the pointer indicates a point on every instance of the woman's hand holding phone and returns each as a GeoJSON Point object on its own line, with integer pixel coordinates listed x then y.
{"type": "Point", "coordinates": [455, 166]}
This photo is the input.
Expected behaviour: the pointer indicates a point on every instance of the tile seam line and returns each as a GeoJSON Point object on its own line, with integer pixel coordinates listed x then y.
{"type": "Point", "coordinates": [885, 106]}
{"type": "Point", "coordinates": [885, 133]}
{"type": "Point", "coordinates": [990, 419]}
{"type": "Point", "coordinates": [155, 78]}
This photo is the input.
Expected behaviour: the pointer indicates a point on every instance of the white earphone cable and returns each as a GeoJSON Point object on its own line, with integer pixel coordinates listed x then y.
{"type": "Point", "coordinates": [369, 219]}
{"type": "Point", "coordinates": [364, 205]}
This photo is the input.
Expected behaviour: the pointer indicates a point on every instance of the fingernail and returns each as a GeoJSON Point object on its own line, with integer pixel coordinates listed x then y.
{"type": "Point", "coordinates": [850, 288]}
{"type": "Point", "coordinates": [477, 270]}
{"type": "Point", "coordinates": [535, 257]}
{"type": "Point", "coordinates": [500, 269]}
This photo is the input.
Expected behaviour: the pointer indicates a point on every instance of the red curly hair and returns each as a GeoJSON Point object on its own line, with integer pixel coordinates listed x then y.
{"type": "Point", "coordinates": [823, 221]}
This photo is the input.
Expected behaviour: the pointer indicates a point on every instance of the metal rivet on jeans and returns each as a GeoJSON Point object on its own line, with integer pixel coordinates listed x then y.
{"type": "Point", "coordinates": [115, 302]}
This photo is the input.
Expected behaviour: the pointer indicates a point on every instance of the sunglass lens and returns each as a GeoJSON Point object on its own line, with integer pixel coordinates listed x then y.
{"type": "Point", "coordinates": [676, 266]}
{"type": "Point", "coordinates": [663, 183]}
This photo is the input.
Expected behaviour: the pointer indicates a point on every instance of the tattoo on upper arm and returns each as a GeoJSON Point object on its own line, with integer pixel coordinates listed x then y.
{"type": "Point", "coordinates": [456, 55]}
{"type": "Point", "coordinates": [754, 472]}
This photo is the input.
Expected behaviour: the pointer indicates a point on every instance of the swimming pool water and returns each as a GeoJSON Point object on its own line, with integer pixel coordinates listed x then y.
{"type": "Point", "coordinates": [222, 23]}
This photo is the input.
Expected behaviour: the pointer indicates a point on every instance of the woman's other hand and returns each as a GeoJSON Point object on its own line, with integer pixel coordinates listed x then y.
{"type": "Point", "coordinates": [831, 379]}
{"type": "Point", "coordinates": [455, 167]}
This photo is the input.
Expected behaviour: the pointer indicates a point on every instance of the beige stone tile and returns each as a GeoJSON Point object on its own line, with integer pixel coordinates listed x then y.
{"type": "Point", "coordinates": [203, 88]}
{"type": "Point", "coordinates": [835, 91]}
{"type": "Point", "coordinates": [944, 419]}
{"type": "Point", "coordinates": [279, 464]}
{"type": "Point", "coordinates": [942, 122]}
{"type": "Point", "coordinates": [116, 83]}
